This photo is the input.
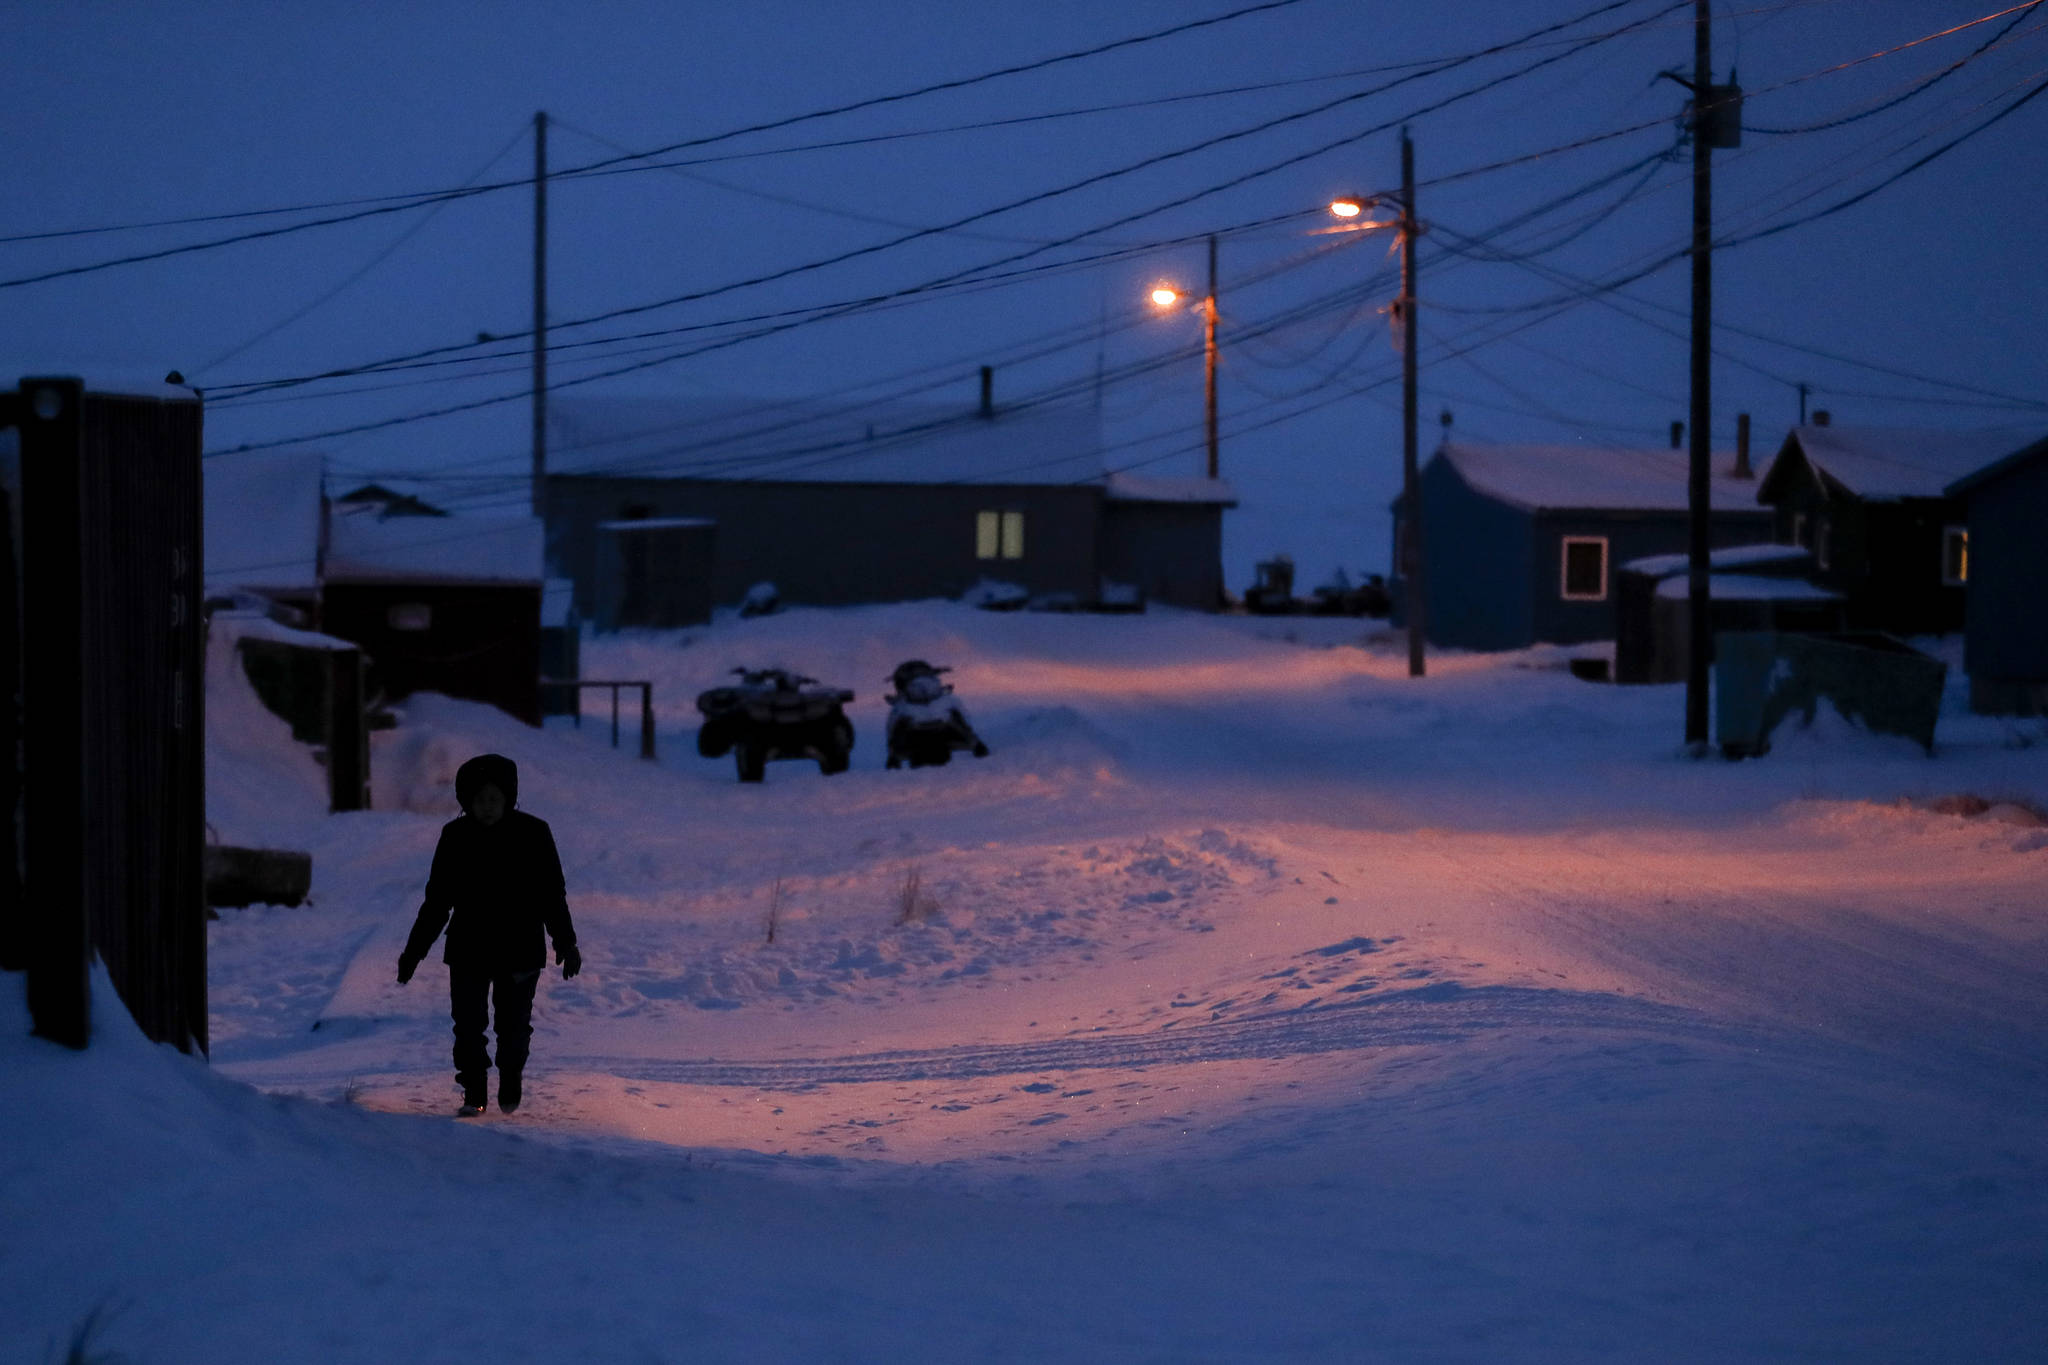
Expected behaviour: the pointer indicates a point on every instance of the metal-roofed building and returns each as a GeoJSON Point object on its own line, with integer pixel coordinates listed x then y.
{"type": "Point", "coordinates": [1520, 542]}
{"type": "Point", "coordinates": [880, 503]}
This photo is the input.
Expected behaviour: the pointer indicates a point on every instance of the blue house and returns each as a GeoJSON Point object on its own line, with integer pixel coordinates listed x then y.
{"type": "Point", "coordinates": [1521, 542]}
{"type": "Point", "coordinates": [2001, 558]}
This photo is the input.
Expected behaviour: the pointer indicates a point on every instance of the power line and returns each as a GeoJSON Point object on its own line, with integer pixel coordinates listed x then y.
{"type": "Point", "coordinates": [1924, 86]}
{"type": "Point", "coordinates": [875, 101]}
{"type": "Point", "coordinates": [787, 272]}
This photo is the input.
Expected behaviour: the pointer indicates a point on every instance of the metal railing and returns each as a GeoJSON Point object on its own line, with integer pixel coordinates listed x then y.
{"type": "Point", "coordinates": [646, 706]}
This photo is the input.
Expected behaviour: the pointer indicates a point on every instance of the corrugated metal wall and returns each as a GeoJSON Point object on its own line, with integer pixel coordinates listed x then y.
{"type": "Point", "coordinates": [113, 745]}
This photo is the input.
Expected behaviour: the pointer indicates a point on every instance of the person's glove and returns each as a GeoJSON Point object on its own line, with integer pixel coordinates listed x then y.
{"type": "Point", "coordinates": [406, 966]}
{"type": "Point", "coordinates": [571, 960]}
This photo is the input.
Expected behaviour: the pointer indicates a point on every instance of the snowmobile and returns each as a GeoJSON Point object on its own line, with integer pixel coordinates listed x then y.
{"type": "Point", "coordinates": [774, 713]}
{"type": "Point", "coordinates": [926, 721]}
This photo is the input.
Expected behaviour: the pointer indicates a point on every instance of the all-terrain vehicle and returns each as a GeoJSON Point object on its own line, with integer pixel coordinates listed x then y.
{"type": "Point", "coordinates": [926, 721]}
{"type": "Point", "coordinates": [774, 713]}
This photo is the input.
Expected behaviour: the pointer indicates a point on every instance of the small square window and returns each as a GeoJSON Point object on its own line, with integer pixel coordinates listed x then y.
{"type": "Point", "coordinates": [411, 616]}
{"type": "Point", "coordinates": [998, 535]}
{"type": "Point", "coordinates": [1955, 555]}
{"type": "Point", "coordinates": [1585, 568]}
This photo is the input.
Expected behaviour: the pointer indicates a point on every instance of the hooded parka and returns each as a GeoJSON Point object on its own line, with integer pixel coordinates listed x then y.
{"type": "Point", "coordinates": [495, 887]}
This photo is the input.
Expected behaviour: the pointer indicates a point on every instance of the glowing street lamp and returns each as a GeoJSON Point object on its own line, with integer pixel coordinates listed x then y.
{"type": "Point", "coordinates": [1166, 295]}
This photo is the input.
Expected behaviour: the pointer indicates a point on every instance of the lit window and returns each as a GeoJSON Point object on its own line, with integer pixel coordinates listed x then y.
{"type": "Point", "coordinates": [998, 535]}
{"type": "Point", "coordinates": [1585, 568]}
{"type": "Point", "coordinates": [1955, 555]}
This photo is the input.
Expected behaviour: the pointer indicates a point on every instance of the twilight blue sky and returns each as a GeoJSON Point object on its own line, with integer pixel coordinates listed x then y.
{"type": "Point", "coordinates": [1918, 306]}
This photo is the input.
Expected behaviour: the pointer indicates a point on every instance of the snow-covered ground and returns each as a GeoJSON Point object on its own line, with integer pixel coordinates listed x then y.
{"type": "Point", "coordinates": [1251, 1001]}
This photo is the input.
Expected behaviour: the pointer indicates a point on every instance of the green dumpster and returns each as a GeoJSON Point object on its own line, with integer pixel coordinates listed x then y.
{"type": "Point", "coordinates": [1876, 680]}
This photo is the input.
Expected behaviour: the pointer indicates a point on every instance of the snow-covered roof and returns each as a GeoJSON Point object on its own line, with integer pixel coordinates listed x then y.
{"type": "Point", "coordinates": [255, 626]}
{"type": "Point", "coordinates": [262, 519]}
{"type": "Point", "coordinates": [1735, 587]}
{"type": "Point", "coordinates": [394, 494]}
{"type": "Point", "coordinates": [363, 546]}
{"type": "Point", "coordinates": [1882, 463]}
{"type": "Point", "coordinates": [1592, 477]}
{"type": "Point", "coordinates": [790, 441]}
{"type": "Point", "coordinates": [1728, 557]}
{"type": "Point", "coordinates": [1156, 488]}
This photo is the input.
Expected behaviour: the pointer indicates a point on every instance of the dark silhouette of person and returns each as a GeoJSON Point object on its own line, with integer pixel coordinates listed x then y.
{"type": "Point", "coordinates": [496, 883]}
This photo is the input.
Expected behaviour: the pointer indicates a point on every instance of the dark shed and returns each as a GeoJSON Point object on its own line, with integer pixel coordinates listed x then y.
{"type": "Point", "coordinates": [2003, 560]}
{"type": "Point", "coordinates": [1520, 541]}
{"type": "Point", "coordinates": [440, 604]}
{"type": "Point", "coordinates": [104, 557]}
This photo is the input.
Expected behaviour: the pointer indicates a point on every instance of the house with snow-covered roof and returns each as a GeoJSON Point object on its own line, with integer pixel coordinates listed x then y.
{"type": "Point", "coordinates": [1874, 505]}
{"type": "Point", "coordinates": [1520, 542]}
{"type": "Point", "coordinates": [881, 502]}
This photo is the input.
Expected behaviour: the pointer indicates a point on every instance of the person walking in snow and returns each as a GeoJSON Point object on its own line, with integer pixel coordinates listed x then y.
{"type": "Point", "coordinates": [497, 874]}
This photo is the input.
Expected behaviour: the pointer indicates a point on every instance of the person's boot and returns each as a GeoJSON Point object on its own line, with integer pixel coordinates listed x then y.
{"type": "Point", "coordinates": [508, 1091]}
{"type": "Point", "coordinates": [474, 1099]}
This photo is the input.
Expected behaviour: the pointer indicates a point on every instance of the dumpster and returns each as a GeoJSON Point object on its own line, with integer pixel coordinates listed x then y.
{"type": "Point", "coordinates": [1873, 679]}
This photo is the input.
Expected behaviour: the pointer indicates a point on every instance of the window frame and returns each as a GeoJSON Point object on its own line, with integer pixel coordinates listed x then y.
{"type": "Point", "coordinates": [998, 534]}
{"type": "Point", "coordinates": [1564, 569]}
{"type": "Point", "coordinates": [1952, 536]}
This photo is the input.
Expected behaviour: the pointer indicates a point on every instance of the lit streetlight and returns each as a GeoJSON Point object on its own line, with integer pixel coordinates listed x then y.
{"type": "Point", "coordinates": [1166, 295]}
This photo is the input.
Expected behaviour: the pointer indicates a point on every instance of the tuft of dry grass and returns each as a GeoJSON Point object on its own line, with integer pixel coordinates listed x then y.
{"type": "Point", "coordinates": [912, 902]}
{"type": "Point", "coordinates": [776, 896]}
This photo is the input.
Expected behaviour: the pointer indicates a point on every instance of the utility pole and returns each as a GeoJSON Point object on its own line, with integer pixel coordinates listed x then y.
{"type": "Point", "coordinates": [1411, 493]}
{"type": "Point", "coordinates": [540, 315]}
{"type": "Point", "coordinates": [1699, 485]}
{"type": "Point", "coordinates": [1209, 356]}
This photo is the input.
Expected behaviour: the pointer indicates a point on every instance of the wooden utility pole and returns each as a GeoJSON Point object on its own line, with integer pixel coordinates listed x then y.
{"type": "Point", "coordinates": [1209, 356]}
{"type": "Point", "coordinates": [540, 315]}
{"type": "Point", "coordinates": [1699, 482]}
{"type": "Point", "coordinates": [1411, 493]}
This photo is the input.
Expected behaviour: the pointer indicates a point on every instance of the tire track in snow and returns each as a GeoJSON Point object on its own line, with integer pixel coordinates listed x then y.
{"type": "Point", "coordinates": [1438, 1014]}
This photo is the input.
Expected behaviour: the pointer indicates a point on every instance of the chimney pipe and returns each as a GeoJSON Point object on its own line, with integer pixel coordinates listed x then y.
{"type": "Point", "coordinates": [1677, 435]}
{"type": "Point", "coordinates": [988, 391]}
{"type": "Point", "coordinates": [1742, 445]}
{"type": "Point", "coordinates": [1820, 417]}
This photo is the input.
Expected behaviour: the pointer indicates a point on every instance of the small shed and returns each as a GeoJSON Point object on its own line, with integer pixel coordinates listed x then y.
{"type": "Point", "coordinates": [1642, 654]}
{"type": "Point", "coordinates": [655, 573]}
{"type": "Point", "coordinates": [440, 604]}
{"type": "Point", "coordinates": [1874, 506]}
{"type": "Point", "coordinates": [2002, 559]}
{"type": "Point", "coordinates": [1738, 602]}
{"type": "Point", "coordinates": [1519, 541]}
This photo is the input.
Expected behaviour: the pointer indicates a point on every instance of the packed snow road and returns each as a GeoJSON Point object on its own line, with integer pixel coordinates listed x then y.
{"type": "Point", "coordinates": [1251, 1000]}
